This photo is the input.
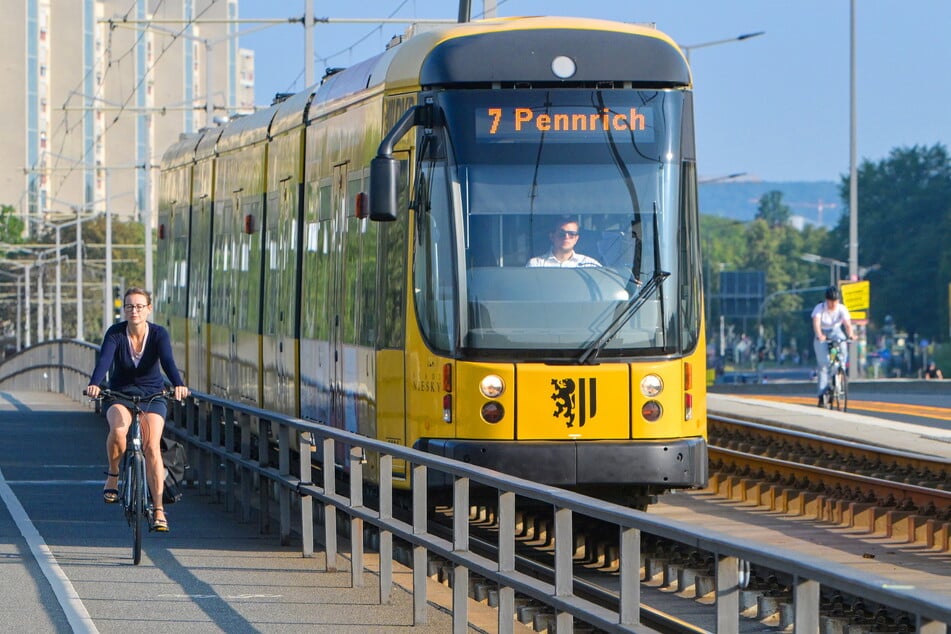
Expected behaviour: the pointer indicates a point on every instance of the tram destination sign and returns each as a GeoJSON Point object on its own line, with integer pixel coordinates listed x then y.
{"type": "Point", "coordinates": [562, 123]}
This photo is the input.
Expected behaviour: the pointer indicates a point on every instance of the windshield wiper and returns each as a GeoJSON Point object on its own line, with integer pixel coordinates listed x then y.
{"type": "Point", "coordinates": [633, 305]}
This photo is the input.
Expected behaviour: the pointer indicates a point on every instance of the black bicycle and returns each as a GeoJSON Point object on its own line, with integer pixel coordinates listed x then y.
{"type": "Point", "coordinates": [133, 486]}
{"type": "Point", "coordinates": [837, 392]}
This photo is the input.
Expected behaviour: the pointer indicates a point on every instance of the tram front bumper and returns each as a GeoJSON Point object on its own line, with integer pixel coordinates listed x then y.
{"type": "Point", "coordinates": [673, 463]}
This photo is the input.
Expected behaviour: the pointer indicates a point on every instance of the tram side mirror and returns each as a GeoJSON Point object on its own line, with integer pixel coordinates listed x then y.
{"type": "Point", "coordinates": [384, 176]}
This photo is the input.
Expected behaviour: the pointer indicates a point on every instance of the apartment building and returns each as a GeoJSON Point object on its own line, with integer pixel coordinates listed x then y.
{"type": "Point", "coordinates": [103, 87]}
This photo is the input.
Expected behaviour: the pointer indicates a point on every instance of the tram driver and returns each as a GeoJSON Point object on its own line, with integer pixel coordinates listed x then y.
{"type": "Point", "coordinates": [563, 236]}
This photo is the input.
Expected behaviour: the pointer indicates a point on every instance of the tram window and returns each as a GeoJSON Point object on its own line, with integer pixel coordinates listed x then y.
{"type": "Point", "coordinates": [324, 204]}
{"type": "Point", "coordinates": [434, 281]}
{"type": "Point", "coordinates": [511, 240]}
{"type": "Point", "coordinates": [391, 270]}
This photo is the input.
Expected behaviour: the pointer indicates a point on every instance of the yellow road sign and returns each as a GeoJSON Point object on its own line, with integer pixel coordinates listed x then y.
{"type": "Point", "coordinates": [855, 296]}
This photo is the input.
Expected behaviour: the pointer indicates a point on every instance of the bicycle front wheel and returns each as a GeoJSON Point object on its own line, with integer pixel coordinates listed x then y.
{"type": "Point", "coordinates": [842, 393]}
{"type": "Point", "coordinates": [137, 507]}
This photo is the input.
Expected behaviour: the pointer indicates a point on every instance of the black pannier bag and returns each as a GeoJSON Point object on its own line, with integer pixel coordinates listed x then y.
{"type": "Point", "coordinates": [173, 455]}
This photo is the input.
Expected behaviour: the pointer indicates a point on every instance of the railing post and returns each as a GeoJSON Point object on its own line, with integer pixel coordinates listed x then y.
{"type": "Point", "coordinates": [284, 495]}
{"type": "Point", "coordinates": [386, 537]}
{"type": "Point", "coordinates": [630, 612]}
{"type": "Point", "coordinates": [330, 511]}
{"type": "Point", "coordinates": [728, 595]}
{"type": "Point", "coordinates": [305, 447]}
{"type": "Point", "coordinates": [246, 475]}
{"type": "Point", "coordinates": [806, 606]}
{"type": "Point", "coordinates": [420, 503]}
{"type": "Point", "coordinates": [356, 524]}
{"type": "Point", "coordinates": [460, 544]}
{"type": "Point", "coordinates": [230, 425]}
{"type": "Point", "coordinates": [217, 421]}
{"type": "Point", "coordinates": [506, 560]}
{"type": "Point", "coordinates": [564, 546]}
{"type": "Point", "coordinates": [264, 486]}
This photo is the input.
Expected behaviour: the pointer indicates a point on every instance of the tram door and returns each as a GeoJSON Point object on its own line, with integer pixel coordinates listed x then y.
{"type": "Point", "coordinates": [200, 263]}
{"type": "Point", "coordinates": [336, 310]}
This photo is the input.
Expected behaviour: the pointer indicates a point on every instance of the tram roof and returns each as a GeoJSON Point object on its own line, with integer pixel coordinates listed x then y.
{"type": "Point", "coordinates": [485, 52]}
{"type": "Point", "coordinates": [206, 147]}
{"type": "Point", "coordinates": [478, 52]}
{"type": "Point", "coordinates": [247, 130]}
{"type": "Point", "coordinates": [182, 152]}
{"type": "Point", "coordinates": [290, 113]}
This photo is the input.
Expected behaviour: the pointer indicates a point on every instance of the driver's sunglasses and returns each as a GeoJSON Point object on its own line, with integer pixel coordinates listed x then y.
{"type": "Point", "coordinates": [566, 234]}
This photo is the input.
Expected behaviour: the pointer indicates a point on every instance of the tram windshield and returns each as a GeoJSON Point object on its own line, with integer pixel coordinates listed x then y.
{"type": "Point", "coordinates": [553, 223]}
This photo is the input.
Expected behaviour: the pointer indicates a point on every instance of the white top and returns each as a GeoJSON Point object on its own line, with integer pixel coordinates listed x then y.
{"type": "Point", "coordinates": [137, 356]}
{"type": "Point", "coordinates": [575, 260]}
{"type": "Point", "coordinates": [833, 319]}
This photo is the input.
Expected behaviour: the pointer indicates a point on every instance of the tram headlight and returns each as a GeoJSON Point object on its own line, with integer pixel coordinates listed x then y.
{"type": "Point", "coordinates": [651, 411]}
{"type": "Point", "coordinates": [492, 412]}
{"type": "Point", "coordinates": [651, 385]}
{"type": "Point", "coordinates": [492, 386]}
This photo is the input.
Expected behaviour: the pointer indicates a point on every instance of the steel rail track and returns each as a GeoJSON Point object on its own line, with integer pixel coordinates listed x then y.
{"type": "Point", "coordinates": [598, 587]}
{"type": "Point", "coordinates": [814, 463]}
{"type": "Point", "coordinates": [836, 467]}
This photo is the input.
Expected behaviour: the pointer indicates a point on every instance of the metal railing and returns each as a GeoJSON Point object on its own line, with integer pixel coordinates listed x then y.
{"type": "Point", "coordinates": [63, 366]}
{"type": "Point", "coordinates": [248, 455]}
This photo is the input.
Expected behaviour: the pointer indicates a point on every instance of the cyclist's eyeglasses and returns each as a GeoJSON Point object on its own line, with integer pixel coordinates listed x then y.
{"type": "Point", "coordinates": [566, 234]}
{"type": "Point", "coordinates": [136, 307]}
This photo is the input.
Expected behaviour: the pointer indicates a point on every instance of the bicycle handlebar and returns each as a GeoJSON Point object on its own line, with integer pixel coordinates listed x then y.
{"type": "Point", "coordinates": [134, 398]}
{"type": "Point", "coordinates": [834, 340]}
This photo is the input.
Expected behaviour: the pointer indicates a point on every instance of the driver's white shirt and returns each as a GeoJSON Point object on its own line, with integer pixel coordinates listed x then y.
{"type": "Point", "coordinates": [575, 260]}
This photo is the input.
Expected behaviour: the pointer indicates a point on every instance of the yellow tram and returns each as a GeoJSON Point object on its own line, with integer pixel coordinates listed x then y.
{"type": "Point", "coordinates": [383, 253]}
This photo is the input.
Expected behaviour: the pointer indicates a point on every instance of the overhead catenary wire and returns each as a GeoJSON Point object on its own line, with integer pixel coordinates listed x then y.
{"type": "Point", "coordinates": [114, 62]}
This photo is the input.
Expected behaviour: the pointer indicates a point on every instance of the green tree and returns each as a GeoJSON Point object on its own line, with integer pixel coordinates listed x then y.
{"type": "Point", "coordinates": [904, 227]}
{"type": "Point", "coordinates": [774, 247]}
{"type": "Point", "coordinates": [772, 209]}
{"type": "Point", "coordinates": [724, 247]}
{"type": "Point", "coordinates": [11, 225]}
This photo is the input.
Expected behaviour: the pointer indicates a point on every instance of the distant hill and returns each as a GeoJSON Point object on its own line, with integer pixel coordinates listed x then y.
{"type": "Point", "coordinates": [740, 199]}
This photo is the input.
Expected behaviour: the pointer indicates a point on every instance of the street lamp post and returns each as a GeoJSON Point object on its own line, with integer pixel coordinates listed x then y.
{"type": "Point", "coordinates": [720, 179]}
{"type": "Point", "coordinates": [834, 265]}
{"type": "Point", "coordinates": [739, 38]}
{"type": "Point", "coordinates": [853, 168]}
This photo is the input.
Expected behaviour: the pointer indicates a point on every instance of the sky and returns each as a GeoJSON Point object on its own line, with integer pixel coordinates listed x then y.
{"type": "Point", "coordinates": [774, 107]}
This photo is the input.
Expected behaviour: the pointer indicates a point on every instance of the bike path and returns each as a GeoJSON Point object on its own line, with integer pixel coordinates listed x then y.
{"type": "Point", "coordinates": [211, 573]}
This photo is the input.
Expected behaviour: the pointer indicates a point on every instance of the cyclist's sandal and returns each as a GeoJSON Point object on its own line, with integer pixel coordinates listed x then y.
{"type": "Point", "coordinates": [159, 525]}
{"type": "Point", "coordinates": [110, 496]}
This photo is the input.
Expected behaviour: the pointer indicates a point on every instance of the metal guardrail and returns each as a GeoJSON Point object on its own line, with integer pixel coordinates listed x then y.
{"type": "Point", "coordinates": [220, 433]}
{"type": "Point", "coordinates": [63, 365]}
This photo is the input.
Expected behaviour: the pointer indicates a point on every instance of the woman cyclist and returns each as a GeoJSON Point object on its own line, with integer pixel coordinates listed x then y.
{"type": "Point", "coordinates": [830, 318]}
{"type": "Point", "coordinates": [136, 351]}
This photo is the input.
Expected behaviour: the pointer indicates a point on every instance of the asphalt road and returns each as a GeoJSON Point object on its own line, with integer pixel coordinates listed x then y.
{"type": "Point", "coordinates": [68, 558]}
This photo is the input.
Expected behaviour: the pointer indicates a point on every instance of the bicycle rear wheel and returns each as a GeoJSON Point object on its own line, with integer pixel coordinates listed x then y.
{"type": "Point", "coordinates": [137, 506]}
